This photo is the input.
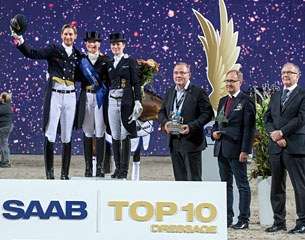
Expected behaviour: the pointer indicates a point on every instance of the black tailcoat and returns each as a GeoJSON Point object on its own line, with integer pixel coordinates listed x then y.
{"type": "Point", "coordinates": [126, 76]}
{"type": "Point", "coordinates": [100, 66]}
{"type": "Point", "coordinates": [59, 65]}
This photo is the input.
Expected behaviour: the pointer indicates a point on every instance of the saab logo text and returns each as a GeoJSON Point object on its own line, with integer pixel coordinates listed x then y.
{"type": "Point", "coordinates": [67, 210]}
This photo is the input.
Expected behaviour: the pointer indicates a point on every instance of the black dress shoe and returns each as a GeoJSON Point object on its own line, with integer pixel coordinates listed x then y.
{"type": "Point", "coordinates": [241, 225]}
{"type": "Point", "coordinates": [276, 228]}
{"type": "Point", "coordinates": [229, 225]}
{"type": "Point", "coordinates": [298, 229]}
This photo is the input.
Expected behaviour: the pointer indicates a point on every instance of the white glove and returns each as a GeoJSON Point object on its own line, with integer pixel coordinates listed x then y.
{"type": "Point", "coordinates": [137, 111]}
{"type": "Point", "coordinates": [19, 38]}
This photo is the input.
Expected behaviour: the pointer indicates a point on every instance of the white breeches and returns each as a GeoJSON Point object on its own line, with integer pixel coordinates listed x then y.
{"type": "Point", "coordinates": [62, 108]}
{"type": "Point", "coordinates": [118, 131]}
{"type": "Point", "coordinates": [94, 118]}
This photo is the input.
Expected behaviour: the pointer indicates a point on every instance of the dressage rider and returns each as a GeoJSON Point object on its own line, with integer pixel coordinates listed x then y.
{"type": "Point", "coordinates": [92, 112]}
{"type": "Point", "coordinates": [124, 103]}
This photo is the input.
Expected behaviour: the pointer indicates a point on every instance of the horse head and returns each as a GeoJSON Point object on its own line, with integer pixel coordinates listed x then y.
{"type": "Point", "coordinates": [151, 103]}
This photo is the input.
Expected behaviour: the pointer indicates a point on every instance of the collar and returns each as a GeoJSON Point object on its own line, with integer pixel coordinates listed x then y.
{"type": "Point", "coordinates": [185, 87]}
{"type": "Point", "coordinates": [118, 58]}
{"type": "Point", "coordinates": [67, 47]}
{"type": "Point", "coordinates": [93, 55]}
{"type": "Point", "coordinates": [291, 88]}
{"type": "Point", "coordinates": [235, 94]}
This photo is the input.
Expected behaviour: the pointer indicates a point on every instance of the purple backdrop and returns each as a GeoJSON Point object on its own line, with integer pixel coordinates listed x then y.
{"type": "Point", "coordinates": [270, 34]}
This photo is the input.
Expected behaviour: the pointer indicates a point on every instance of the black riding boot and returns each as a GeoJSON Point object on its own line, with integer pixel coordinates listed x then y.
{"type": "Point", "coordinates": [49, 158]}
{"type": "Point", "coordinates": [66, 158]}
{"type": "Point", "coordinates": [107, 158]}
{"type": "Point", "coordinates": [125, 158]}
{"type": "Point", "coordinates": [88, 155]}
{"type": "Point", "coordinates": [116, 148]}
{"type": "Point", "coordinates": [100, 155]}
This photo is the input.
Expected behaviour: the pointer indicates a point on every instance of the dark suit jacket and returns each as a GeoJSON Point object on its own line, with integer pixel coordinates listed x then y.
{"type": "Point", "coordinates": [100, 66]}
{"type": "Point", "coordinates": [290, 119]}
{"type": "Point", "coordinates": [239, 132]}
{"type": "Point", "coordinates": [126, 70]}
{"type": "Point", "coordinates": [196, 111]}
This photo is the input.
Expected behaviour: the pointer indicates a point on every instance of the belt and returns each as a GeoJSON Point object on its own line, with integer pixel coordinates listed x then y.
{"type": "Point", "coordinates": [63, 91]}
{"type": "Point", "coordinates": [90, 91]}
{"type": "Point", "coordinates": [61, 81]}
{"type": "Point", "coordinates": [115, 97]}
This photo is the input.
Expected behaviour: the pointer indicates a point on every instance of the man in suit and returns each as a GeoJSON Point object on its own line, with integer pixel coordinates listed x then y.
{"type": "Point", "coordinates": [234, 139]}
{"type": "Point", "coordinates": [192, 104]}
{"type": "Point", "coordinates": [285, 123]}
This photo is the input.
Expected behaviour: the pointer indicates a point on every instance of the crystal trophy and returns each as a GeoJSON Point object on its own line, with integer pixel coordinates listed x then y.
{"type": "Point", "coordinates": [221, 118]}
{"type": "Point", "coordinates": [175, 127]}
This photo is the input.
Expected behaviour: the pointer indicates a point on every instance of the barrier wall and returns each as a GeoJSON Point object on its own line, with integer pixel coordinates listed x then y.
{"type": "Point", "coordinates": [77, 209]}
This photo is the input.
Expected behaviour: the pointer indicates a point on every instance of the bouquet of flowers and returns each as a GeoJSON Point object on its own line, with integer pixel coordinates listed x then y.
{"type": "Point", "coordinates": [147, 71]}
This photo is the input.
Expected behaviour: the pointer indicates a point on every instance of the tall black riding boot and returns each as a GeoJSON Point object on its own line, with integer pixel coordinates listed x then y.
{"type": "Point", "coordinates": [49, 158]}
{"type": "Point", "coordinates": [66, 158]}
{"type": "Point", "coordinates": [125, 158]}
{"type": "Point", "coordinates": [107, 158]}
{"type": "Point", "coordinates": [88, 155]}
{"type": "Point", "coordinates": [116, 148]}
{"type": "Point", "coordinates": [100, 155]}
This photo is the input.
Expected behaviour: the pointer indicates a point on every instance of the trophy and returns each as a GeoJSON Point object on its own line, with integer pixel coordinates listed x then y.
{"type": "Point", "coordinates": [175, 127]}
{"type": "Point", "coordinates": [221, 118]}
{"type": "Point", "coordinates": [19, 24]}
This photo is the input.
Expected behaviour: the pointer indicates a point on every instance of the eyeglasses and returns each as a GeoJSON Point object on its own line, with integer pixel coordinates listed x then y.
{"type": "Point", "coordinates": [182, 73]}
{"type": "Point", "coordinates": [230, 81]}
{"type": "Point", "coordinates": [288, 72]}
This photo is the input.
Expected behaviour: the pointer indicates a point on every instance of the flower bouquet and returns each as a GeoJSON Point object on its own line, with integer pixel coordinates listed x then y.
{"type": "Point", "coordinates": [147, 71]}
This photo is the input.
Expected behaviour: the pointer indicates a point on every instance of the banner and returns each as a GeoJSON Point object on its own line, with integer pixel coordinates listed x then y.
{"type": "Point", "coordinates": [82, 209]}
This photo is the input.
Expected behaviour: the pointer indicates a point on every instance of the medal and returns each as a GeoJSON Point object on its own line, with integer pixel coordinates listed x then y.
{"type": "Point", "coordinates": [123, 83]}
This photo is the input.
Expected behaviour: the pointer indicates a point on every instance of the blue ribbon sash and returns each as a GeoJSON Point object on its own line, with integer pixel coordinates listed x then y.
{"type": "Point", "coordinates": [97, 84]}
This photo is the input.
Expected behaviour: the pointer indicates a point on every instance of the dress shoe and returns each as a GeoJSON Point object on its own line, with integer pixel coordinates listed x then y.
{"type": "Point", "coordinates": [276, 228]}
{"type": "Point", "coordinates": [298, 229]}
{"type": "Point", "coordinates": [5, 165]}
{"type": "Point", "coordinates": [229, 225]}
{"type": "Point", "coordinates": [241, 225]}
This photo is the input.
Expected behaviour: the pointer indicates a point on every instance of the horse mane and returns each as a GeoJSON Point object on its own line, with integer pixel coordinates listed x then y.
{"type": "Point", "coordinates": [146, 90]}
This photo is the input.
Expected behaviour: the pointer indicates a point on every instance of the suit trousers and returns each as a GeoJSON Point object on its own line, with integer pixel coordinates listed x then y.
{"type": "Point", "coordinates": [295, 165]}
{"type": "Point", "coordinates": [94, 118]}
{"type": "Point", "coordinates": [187, 166]}
{"type": "Point", "coordinates": [63, 106]}
{"type": "Point", "coordinates": [227, 168]}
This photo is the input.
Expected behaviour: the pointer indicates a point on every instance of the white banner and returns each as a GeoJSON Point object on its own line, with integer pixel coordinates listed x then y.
{"type": "Point", "coordinates": [112, 210]}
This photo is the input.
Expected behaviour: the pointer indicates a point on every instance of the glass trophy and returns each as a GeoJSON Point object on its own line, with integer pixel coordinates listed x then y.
{"type": "Point", "coordinates": [175, 127]}
{"type": "Point", "coordinates": [221, 118]}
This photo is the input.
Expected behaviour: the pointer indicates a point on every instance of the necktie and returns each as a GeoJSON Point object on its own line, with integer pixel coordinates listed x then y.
{"type": "Point", "coordinates": [229, 104]}
{"type": "Point", "coordinates": [284, 96]}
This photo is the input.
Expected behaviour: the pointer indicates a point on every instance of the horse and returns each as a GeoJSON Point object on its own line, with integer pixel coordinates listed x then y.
{"type": "Point", "coordinates": [151, 103]}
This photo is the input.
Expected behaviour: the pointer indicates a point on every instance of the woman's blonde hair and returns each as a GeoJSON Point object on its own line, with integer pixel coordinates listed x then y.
{"type": "Point", "coordinates": [6, 97]}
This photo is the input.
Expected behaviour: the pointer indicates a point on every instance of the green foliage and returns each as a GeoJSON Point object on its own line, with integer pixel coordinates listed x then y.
{"type": "Point", "coordinates": [147, 71]}
{"type": "Point", "coordinates": [260, 146]}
